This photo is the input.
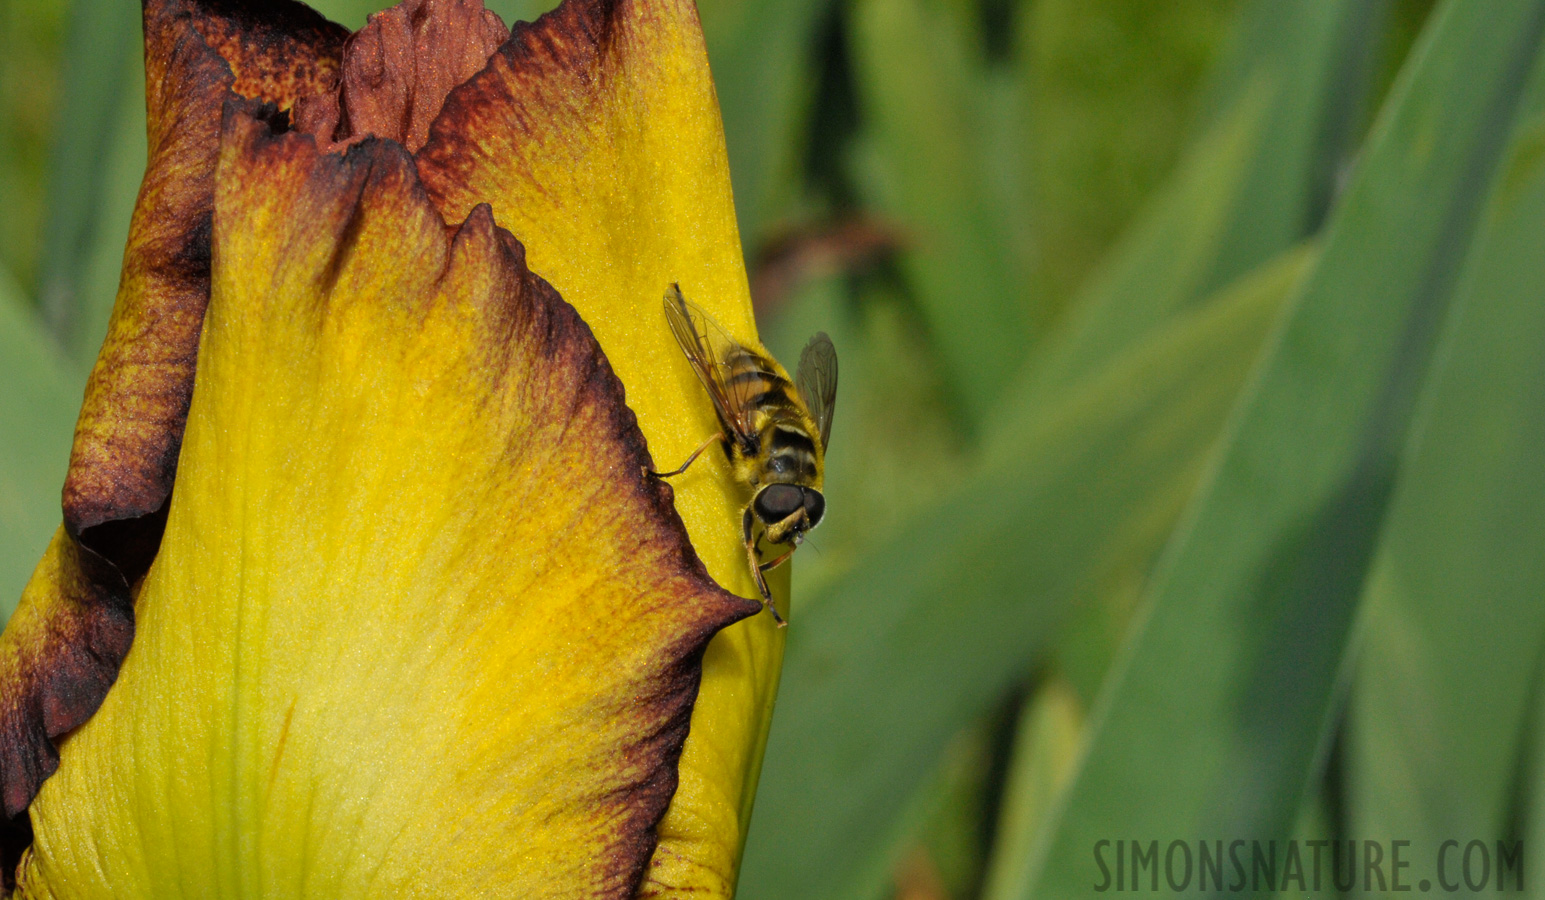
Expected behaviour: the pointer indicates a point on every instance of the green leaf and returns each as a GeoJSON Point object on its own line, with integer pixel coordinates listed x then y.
{"type": "Point", "coordinates": [1532, 789]}
{"type": "Point", "coordinates": [1245, 192]}
{"type": "Point", "coordinates": [349, 13]}
{"type": "Point", "coordinates": [96, 282]}
{"type": "Point", "coordinates": [950, 841]}
{"type": "Point", "coordinates": [352, 13]}
{"type": "Point", "coordinates": [1109, 89]}
{"type": "Point", "coordinates": [1454, 623]}
{"type": "Point", "coordinates": [763, 65]}
{"type": "Point", "coordinates": [1253, 184]}
{"type": "Point", "coordinates": [1158, 268]}
{"type": "Point", "coordinates": [37, 422]}
{"type": "Point", "coordinates": [928, 171]}
{"type": "Point", "coordinates": [1318, 60]}
{"type": "Point", "coordinates": [1250, 186]}
{"type": "Point", "coordinates": [927, 629]}
{"type": "Point", "coordinates": [104, 35]}
{"type": "Point", "coordinates": [30, 37]}
{"type": "Point", "coordinates": [1216, 717]}
{"type": "Point", "coordinates": [1045, 750]}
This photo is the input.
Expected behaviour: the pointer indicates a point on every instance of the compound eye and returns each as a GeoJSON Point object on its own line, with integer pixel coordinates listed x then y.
{"type": "Point", "coordinates": [776, 502]}
{"type": "Point", "coordinates": [815, 506]}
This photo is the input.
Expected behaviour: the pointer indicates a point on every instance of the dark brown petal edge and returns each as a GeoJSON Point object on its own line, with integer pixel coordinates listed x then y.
{"type": "Point", "coordinates": [61, 656]}
{"type": "Point", "coordinates": [548, 71]}
{"type": "Point", "coordinates": [398, 69]}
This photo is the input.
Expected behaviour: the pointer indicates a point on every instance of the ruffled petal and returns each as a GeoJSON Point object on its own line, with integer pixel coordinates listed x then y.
{"type": "Point", "coordinates": [399, 69]}
{"type": "Point", "coordinates": [197, 52]}
{"type": "Point", "coordinates": [419, 624]}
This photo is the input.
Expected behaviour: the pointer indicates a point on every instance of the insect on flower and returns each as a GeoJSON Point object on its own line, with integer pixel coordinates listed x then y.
{"type": "Point", "coordinates": [774, 431]}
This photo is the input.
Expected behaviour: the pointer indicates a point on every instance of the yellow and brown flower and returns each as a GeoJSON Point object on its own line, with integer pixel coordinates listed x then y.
{"type": "Point", "coordinates": [361, 588]}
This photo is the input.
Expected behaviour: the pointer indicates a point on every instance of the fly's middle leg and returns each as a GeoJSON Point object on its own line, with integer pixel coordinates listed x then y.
{"type": "Point", "coordinates": [718, 436]}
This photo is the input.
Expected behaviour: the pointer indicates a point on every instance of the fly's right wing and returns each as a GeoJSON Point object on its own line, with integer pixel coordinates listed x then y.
{"type": "Point", "coordinates": [816, 379]}
{"type": "Point", "coordinates": [708, 346]}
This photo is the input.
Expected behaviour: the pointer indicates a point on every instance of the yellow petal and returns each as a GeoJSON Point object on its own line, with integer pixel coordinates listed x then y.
{"type": "Point", "coordinates": [419, 625]}
{"type": "Point", "coordinates": [595, 135]}
{"type": "Point", "coordinates": [62, 649]}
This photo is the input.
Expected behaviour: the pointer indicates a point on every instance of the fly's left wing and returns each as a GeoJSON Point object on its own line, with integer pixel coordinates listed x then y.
{"type": "Point", "coordinates": [708, 347]}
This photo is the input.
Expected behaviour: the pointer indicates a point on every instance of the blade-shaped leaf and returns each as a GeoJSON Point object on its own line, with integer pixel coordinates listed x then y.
{"type": "Point", "coordinates": [1109, 89]}
{"type": "Point", "coordinates": [31, 38]}
{"type": "Point", "coordinates": [920, 82]}
{"type": "Point", "coordinates": [1532, 796]}
{"type": "Point", "coordinates": [348, 13]}
{"type": "Point", "coordinates": [1045, 750]}
{"type": "Point", "coordinates": [103, 37]}
{"type": "Point", "coordinates": [1158, 267]}
{"type": "Point", "coordinates": [1318, 57]}
{"type": "Point", "coordinates": [1243, 194]}
{"type": "Point", "coordinates": [353, 13]}
{"type": "Point", "coordinates": [912, 645]}
{"type": "Point", "coordinates": [1454, 624]}
{"type": "Point", "coordinates": [1220, 736]}
{"type": "Point", "coordinates": [1178, 246]}
{"type": "Point", "coordinates": [1308, 63]}
{"type": "Point", "coordinates": [37, 420]}
{"type": "Point", "coordinates": [762, 66]}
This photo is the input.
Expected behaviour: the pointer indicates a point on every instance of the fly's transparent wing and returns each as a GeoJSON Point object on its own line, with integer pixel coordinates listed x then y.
{"type": "Point", "coordinates": [817, 383]}
{"type": "Point", "coordinates": [710, 348]}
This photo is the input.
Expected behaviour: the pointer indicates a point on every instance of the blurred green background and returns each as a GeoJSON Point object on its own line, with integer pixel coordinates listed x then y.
{"type": "Point", "coordinates": [1188, 480]}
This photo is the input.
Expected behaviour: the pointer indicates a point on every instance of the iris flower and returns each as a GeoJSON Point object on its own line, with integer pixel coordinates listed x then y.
{"type": "Point", "coordinates": [361, 588]}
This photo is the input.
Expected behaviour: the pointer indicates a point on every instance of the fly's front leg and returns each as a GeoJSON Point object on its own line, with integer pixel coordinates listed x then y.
{"type": "Point", "coordinates": [768, 566]}
{"type": "Point", "coordinates": [754, 557]}
{"type": "Point", "coordinates": [718, 436]}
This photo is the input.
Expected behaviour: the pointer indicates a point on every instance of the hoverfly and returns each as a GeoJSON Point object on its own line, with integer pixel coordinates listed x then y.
{"type": "Point", "coordinates": [774, 431]}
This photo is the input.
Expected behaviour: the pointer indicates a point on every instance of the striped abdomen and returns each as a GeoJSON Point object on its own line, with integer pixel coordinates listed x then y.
{"type": "Point", "coordinates": [781, 445]}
